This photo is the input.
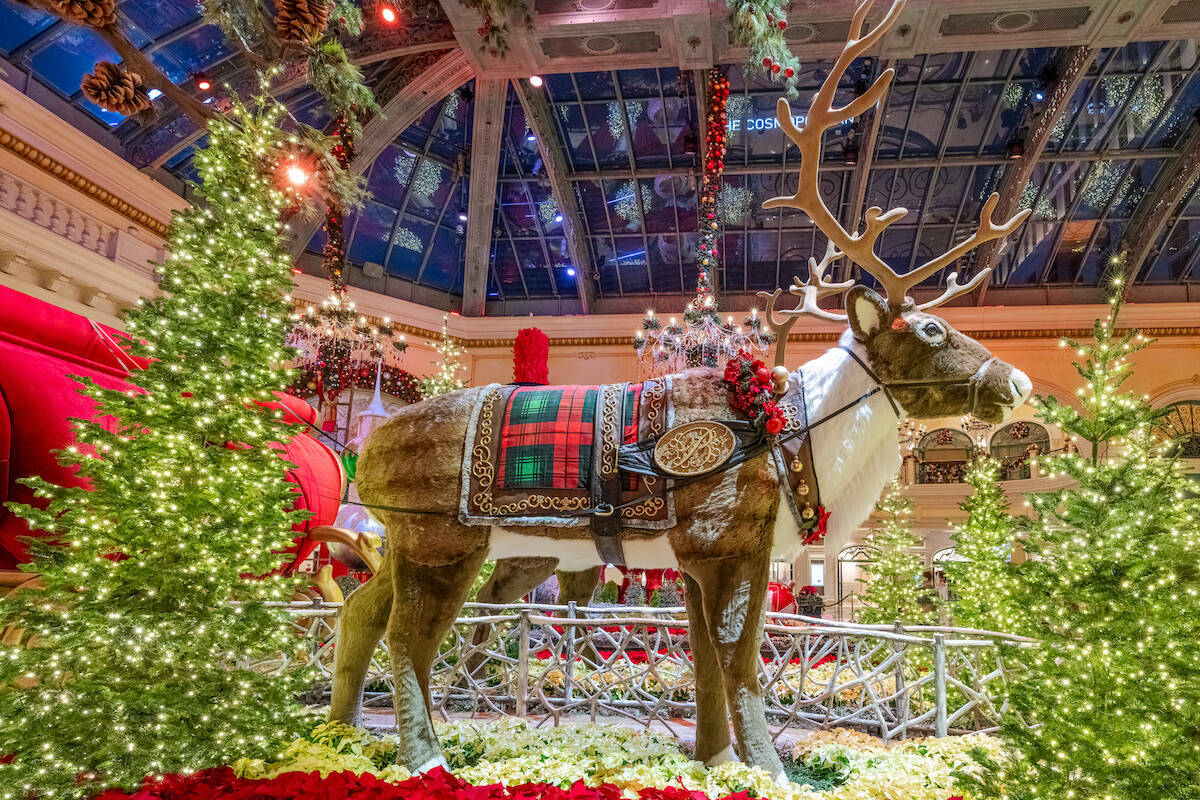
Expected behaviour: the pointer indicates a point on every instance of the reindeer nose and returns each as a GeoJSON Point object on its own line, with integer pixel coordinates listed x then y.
{"type": "Point", "coordinates": [1021, 387]}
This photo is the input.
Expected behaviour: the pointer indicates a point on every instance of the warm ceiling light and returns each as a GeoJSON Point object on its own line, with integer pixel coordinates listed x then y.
{"type": "Point", "coordinates": [535, 80]}
{"type": "Point", "coordinates": [203, 82]}
{"type": "Point", "coordinates": [297, 175]}
{"type": "Point", "coordinates": [1015, 148]}
{"type": "Point", "coordinates": [388, 14]}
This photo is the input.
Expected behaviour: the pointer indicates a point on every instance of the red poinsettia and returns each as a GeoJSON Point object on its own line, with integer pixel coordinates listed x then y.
{"type": "Point", "coordinates": [437, 784]}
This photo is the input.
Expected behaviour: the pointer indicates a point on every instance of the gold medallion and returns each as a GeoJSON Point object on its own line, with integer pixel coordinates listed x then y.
{"type": "Point", "coordinates": [694, 448]}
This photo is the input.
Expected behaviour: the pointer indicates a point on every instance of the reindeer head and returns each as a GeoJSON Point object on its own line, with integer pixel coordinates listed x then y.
{"type": "Point", "coordinates": [931, 369]}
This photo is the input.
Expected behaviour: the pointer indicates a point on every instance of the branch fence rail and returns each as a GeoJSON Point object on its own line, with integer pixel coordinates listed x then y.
{"type": "Point", "coordinates": [546, 662]}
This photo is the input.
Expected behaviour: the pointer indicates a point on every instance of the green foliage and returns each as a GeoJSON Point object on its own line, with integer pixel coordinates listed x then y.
{"type": "Point", "coordinates": [608, 593]}
{"type": "Point", "coordinates": [985, 581]}
{"type": "Point", "coordinates": [821, 777]}
{"type": "Point", "coordinates": [149, 617]}
{"type": "Point", "coordinates": [243, 21]}
{"type": "Point", "coordinates": [1109, 705]}
{"type": "Point", "coordinates": [755, 26]}
{"type": "Point", "coordinates": [485, 573]}
{"type": "Point", "coordinates": [340, 83]}
{"type": "Point", "coordinates": [894, 578]}
{"type": "Point", "coordinates": [347, 15]}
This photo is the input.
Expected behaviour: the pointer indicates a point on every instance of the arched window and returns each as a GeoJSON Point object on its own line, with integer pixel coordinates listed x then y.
{"type": "Point", "coordinates": [849, 561]}
{"type": "Point", "coordinates": [1181, 424]}
{"type": "Point", "coordinates": [1014, 444]}
{"type": "Point", "coordinates": [942, 456]}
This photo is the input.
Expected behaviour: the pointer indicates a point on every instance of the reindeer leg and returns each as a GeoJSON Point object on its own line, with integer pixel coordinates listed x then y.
{"type": "Point", "coordinates": [712, 721]}
{"type": "Point", "coordinates": [577, 586]}
{"type": "Point", "coordinates": [512, 579]}
{"type": "Point", "coordinates": [360, 627]}
{"type": "Point", "coordinates": [426, 600]}
{"type": "Point", "coordinates": [733, 593]}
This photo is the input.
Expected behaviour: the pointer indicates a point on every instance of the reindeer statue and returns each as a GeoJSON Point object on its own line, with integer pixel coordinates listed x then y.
{"type": "Point", "coordinates": [429, 470]}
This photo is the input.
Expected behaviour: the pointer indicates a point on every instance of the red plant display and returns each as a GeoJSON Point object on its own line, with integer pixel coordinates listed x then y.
{"type": "Point", "coordinates": [531, 357]}
{"type": "Point", "coordinates": [753, 392]}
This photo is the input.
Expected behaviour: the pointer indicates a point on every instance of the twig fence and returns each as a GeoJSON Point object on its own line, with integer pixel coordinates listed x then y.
{"type": "Point", "coordinates": [548, 662]}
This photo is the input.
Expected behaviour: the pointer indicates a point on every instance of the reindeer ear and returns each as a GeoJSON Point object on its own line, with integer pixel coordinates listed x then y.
{"type": "Point", "coordinates": [866, 311]}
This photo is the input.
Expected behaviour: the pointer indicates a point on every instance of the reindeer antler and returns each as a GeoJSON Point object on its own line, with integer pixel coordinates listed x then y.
{"type": "Point", "coordinates": [860, 247]}
{"type": "Point", "coordinates": [810, 291]}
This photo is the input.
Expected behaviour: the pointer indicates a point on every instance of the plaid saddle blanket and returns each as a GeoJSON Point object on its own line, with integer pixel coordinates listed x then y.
{"type": "Point", "coordinates": [532, 452]}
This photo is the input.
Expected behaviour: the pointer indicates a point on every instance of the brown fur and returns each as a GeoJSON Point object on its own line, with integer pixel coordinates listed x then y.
{"type": "Point", "coordinates": [722, 540]}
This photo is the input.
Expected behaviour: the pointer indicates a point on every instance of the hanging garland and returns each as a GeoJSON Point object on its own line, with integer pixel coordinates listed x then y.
{"type": "Point", "coordinates": [704, 307]}
{"type": "Point", "coordinates": [333, 257]}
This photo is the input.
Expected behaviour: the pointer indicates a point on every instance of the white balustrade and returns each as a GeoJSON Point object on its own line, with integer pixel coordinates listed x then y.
{"type": "Point", "coordinates": [55, 215]}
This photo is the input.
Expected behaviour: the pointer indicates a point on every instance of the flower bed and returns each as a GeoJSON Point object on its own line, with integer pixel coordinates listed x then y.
{"type": "Point", "coordinates": [592, 761]}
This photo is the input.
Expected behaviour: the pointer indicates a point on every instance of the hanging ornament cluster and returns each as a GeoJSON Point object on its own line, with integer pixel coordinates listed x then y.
{"type": "Point", "coordinates": [703, 339]}
{"type": "Point", "coordinates": [114, 89]}
{"type": "Point", "coordinates": [759, 26]}
{"type": "Point", "coordinates": [394, 381]}
{"type": "Point", "coordinates": [301, 20]}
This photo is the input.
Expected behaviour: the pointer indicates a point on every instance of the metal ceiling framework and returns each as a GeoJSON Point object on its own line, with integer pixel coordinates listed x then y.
{"type": "Point", "coordinates": [1040, 121]}
{"type": "Point", "coordinates": [938, 49]}
{"type": "Point", "coordinates": [487, 133]}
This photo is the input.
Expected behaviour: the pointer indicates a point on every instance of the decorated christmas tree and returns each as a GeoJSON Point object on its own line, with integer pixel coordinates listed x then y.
{"type": "Point", "coordinates": [894, 590]}
{"type": "Point", "coordinates": [446, 378]}
{"type": "Point", "coordinates": [150, 616]}
{"type": "Point", "coordinates": [1109, 704]}
{"type": "Point", "coordinates": [984, 581]}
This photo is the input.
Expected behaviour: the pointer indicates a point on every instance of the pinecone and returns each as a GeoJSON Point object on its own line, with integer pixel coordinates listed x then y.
{"type": "Point", "coordinates": [301, 20]}
{"type": "Point", "coordinates": [113, 89]}
{"type": "Point", "coordinates": [93, 13]}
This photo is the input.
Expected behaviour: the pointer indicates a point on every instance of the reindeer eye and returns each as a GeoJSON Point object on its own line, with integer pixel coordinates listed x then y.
{"type": "Point", "coordinates": [931, 329]}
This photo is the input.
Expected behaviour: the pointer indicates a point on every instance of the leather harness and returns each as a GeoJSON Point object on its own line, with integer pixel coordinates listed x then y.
{"type": "Point", "coordinates": [792, 450]}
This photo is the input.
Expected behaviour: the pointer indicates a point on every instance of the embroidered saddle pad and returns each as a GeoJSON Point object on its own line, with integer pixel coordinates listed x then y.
{"type": "Point", "coordinates": [532, 452]}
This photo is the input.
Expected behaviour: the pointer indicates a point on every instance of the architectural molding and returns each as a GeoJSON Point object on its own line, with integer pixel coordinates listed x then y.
{"type": "Point", "coordinates": [486, 135]}
{"type": "Point", "coordinates": [540, 119]}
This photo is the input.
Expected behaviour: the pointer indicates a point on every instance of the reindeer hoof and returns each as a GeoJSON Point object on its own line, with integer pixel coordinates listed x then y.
{"type": "Point", "coordinates": [723, 757]}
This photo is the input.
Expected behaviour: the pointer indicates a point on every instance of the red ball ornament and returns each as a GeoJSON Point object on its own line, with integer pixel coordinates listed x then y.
{"type": "Point", "coordinates": [766, 62]}
{"type": "Point", "coordinates": [774, 425]}
{"type": "Point", "coordinates": [763, 374]}
{"type": "Point", "coordinates": [782, 24]}
{"type": "Point", "coordinates": [789, 72]}
{"type": "Point", "coordinates": [775, 68]}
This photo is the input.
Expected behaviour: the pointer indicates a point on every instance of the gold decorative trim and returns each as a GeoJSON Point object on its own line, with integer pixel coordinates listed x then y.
{"type": "Point", "coordinates": [694, 449]}
{"type": "Point", "coordinates": [611, 428]}
{"type": "Point", "coordinates": [55, 168]}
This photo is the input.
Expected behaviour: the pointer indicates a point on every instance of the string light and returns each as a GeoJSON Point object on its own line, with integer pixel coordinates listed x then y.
{"type": "Point", "coordinates": [388, 14]}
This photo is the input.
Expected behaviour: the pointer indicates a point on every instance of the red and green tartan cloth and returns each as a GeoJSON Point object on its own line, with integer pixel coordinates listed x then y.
{"type": "Point", "coordinates": [548, 433]}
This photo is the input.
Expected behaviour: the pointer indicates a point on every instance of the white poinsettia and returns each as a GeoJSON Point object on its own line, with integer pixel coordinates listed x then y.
{"type": "Point", "coordinates": [513, 752]}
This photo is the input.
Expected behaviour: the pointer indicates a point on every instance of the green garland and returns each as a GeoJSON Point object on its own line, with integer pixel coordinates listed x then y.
{"type": "Point", "coordinates": [758, 25]}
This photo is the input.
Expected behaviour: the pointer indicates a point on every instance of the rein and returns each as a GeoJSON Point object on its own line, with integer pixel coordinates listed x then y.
{"type": "Point", "coordinates": [760, 446]}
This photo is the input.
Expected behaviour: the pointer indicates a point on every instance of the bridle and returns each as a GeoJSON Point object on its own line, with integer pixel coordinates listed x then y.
{"type": "Point", "coordinates": [972, 383]}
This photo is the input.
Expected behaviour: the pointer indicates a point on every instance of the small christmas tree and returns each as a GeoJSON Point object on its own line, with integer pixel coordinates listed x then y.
{"type": "Point", "coordinates": [984, 580]}
{"type": "Point", "coordinates": [446, 378]}
{"type": "Point", "coordinates": [894, 590]}
{"type": "Point", "coordinates": [1109, 704]}
{"type": "Point", "coordinates": [150, 616]}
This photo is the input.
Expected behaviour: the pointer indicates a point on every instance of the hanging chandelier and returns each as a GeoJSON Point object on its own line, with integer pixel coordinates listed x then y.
{"type": "Point", "coordinates": [703, 339]}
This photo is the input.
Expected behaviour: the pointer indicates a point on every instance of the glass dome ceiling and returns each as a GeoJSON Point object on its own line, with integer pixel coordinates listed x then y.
{"type": "Point", "coordinates": [628, 139]}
